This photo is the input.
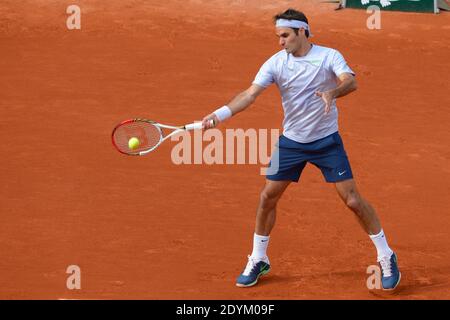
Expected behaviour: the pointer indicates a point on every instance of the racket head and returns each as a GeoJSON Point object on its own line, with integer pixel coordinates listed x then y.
{"type": "Point", "coordinates": [149, 134]}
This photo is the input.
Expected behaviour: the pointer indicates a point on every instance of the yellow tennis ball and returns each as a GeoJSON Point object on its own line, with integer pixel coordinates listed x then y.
{"type": "Point", "coordinates": [133, 143]}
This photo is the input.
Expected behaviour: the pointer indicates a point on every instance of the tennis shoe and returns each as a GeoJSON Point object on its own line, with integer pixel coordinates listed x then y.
{"type": "Point", "coordinates": [390, 273]}
{"type": "Point", "coordinates": [253, 270]}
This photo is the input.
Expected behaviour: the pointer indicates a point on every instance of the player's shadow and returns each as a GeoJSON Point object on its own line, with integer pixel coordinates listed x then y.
{"type": "Point", "coordinates": [410, 288]}
{"type": "Point", "coordinates": [419, 284]}
{"type": "Point", "coordinates": [412, 291]}
{"type": "Point", "coordinates": [415, 284]}
{"type": "Point", "coordinates": [277, 279]}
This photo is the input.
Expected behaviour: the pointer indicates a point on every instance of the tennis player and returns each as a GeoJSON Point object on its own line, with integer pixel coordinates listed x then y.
{"type": "Point", "coordinates": [310, 78]}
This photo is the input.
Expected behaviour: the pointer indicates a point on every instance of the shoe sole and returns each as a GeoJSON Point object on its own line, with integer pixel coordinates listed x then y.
{"type": "Point", "coordinates": [241, 285]}
{"type": "Point", "coordinates": [399, 278]}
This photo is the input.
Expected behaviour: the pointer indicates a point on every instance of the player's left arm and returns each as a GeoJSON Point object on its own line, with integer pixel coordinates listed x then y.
{"type": "Point", "coordinates": [347, 84]}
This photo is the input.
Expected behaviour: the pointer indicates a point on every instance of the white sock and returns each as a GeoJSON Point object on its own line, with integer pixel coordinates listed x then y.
{"type": "Point", "coordinates": [260, 244]}
{"type": "Point", "coordinates": [380, 242]}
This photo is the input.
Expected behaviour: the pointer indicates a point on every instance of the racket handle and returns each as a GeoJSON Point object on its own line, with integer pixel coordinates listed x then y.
{"type": "Point", "coordinates": [194, 126]}
{"type": "Point", "coordinates": [197, 125]}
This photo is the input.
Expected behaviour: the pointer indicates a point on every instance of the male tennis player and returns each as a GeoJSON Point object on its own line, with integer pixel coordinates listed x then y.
{"type": "Point", "coordinates": [309, 78]}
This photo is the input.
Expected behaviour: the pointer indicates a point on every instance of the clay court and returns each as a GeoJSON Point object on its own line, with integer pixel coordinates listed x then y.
{"type": "Point", "coordinates": [145, 228]}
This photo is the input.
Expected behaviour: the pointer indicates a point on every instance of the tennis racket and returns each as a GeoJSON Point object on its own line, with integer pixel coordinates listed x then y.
{"type": "Point", "coordinates": [150, 135]}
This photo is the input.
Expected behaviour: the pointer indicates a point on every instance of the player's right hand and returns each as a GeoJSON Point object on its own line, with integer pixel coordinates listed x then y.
{"type": "Point", "coordinates": [207, 123]}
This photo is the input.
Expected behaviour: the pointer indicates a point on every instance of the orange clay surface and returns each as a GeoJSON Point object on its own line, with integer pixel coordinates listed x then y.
{"type": "Point", "coordinates": [145, 228]}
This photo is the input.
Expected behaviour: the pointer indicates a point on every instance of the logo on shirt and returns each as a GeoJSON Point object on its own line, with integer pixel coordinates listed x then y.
{"type": "Point", "coordinates": [316, 63]}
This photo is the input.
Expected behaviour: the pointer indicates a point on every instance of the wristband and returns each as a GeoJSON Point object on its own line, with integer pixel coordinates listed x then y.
{"type": "Point", "coordinates": [223, 113]}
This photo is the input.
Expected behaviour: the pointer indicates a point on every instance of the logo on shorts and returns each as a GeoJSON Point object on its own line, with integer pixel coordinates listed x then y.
{"type": "Point", "coordinates": [341, 173]}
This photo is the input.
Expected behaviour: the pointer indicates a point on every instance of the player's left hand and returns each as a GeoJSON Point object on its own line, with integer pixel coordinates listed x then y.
{"type": "Point", "coordinates": [327, 97]}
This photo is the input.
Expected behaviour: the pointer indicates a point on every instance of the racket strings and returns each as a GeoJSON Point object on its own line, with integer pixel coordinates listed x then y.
{"type": "Point", "coordinates": [148, 134]}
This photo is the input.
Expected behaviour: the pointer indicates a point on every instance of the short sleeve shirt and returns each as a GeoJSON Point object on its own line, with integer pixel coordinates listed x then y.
{"type": "Point", "coordinates": [298, 78]}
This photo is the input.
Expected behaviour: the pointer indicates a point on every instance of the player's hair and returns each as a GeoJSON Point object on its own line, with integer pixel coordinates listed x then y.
{"type": "Point", "coordinates": [292, 14]}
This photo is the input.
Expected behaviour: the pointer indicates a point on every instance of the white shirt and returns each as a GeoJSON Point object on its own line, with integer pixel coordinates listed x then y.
{"type": "Point", "coordinates": [298, 78]}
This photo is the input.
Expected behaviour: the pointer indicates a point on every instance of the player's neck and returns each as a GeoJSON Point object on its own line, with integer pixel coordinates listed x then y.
{"type": "Point", "coordinates": [303, 50]}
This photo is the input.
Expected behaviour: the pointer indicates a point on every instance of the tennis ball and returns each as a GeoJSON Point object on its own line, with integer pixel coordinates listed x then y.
{"type": "Point", "coordinates": [133, 143]}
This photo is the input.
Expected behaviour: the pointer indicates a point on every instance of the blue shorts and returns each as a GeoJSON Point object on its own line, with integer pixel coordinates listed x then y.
{"type": "Point", "coordinates": [327, 154]}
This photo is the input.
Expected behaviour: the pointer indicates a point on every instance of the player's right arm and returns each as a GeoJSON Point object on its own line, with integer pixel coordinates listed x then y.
{"type": "Point", "coordinates": [239, 103]}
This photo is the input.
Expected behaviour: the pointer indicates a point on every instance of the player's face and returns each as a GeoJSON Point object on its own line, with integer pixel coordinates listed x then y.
{"type": "Point", "coordinates": [288, 40]}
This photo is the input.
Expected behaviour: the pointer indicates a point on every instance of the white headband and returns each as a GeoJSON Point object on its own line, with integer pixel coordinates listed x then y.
{"type": "Point", "coordinates": [285, 23]}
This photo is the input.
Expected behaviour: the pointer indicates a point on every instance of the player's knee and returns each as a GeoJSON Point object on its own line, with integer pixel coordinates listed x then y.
{"type": "Point", "coordinates": [354, 202]}
{"type": "Point", "coordinates": [268, 199]}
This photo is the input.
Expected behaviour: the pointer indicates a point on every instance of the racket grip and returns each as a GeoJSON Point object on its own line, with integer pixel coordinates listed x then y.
{"type": "Point", "coordinates": [197, 125]}
{"type": "Point", "coordinates": [194, 126]}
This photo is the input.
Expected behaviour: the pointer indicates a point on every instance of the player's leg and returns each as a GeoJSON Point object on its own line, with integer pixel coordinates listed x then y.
{"type": "Point", "coordinates": [368, 219]}
{"type": "Point", "coordinates": [258, 263]}
{"type": "Point", "coordinates": [287, 164]}
{"type": "Point", "coordinates": [266, 212]}
{"type": "Point", "coordinates": [364, 212]}
{"type": "Point", "coordinates": [335, 166]}
{"type": "Point", "coordinates": [266, 216]}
